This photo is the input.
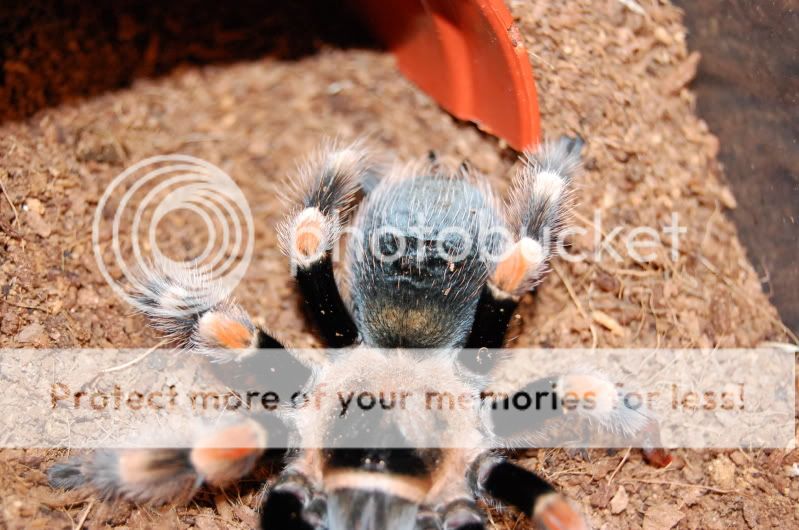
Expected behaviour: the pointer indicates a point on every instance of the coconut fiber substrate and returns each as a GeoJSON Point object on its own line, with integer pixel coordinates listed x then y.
{"type": "Point", "coordinates": [617, 77]}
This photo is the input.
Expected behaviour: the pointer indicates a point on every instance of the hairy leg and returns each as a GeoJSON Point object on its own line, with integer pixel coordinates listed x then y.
{"type": "Point", "coordinates": [535, 209]}
{"type": "Point", "coordinates": [245, 357]}
{"type": "Point", "coordinates": [524, 417]}
{"type": "Point", "coordinates": [167, 475]}
{"type": "Point", "coordinates": [325, 192]}
{"type": "Point", "coordinates": [515, 486]}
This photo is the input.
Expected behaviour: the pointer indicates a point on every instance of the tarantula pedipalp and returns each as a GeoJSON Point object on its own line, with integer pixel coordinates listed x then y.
{"type": "Point", "coordinates": [429, 279]}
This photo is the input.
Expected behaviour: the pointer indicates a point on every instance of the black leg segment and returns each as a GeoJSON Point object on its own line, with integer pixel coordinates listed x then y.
{"type": "Point", "coordinates": [494, 311]}
{"type": "Point", "coordinates": [527, 492]}
{"type": "Point", "coordinates": [323, 302]}
{"type": "Point", "coordinates": [283, 511]}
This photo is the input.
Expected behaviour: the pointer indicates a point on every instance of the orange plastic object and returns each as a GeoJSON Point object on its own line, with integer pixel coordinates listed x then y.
{"type": "Point", "coordinates": [468, 55]}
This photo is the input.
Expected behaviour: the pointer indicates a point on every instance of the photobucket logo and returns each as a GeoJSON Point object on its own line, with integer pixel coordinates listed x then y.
{"type": "Point", "coordinates": [493, 243]}
{"type": "Point", "coordinates": [137, 213]}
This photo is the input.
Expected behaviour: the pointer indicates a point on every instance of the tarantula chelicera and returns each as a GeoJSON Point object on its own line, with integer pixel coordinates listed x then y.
{"type": "Point", "coordinates": [431, 284]}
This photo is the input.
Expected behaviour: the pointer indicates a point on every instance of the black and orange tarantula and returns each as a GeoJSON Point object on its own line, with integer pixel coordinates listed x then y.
{"type": "Point", "coordinates": [422, 318]}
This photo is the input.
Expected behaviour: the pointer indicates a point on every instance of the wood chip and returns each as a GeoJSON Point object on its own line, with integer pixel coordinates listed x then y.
{"type": "Point", "coordinates": [607, 283]}
{"type": "Point", "coordinates": [601, 497]}
{"type": "Point", "coordinates": [683, 74]}
{"type": "Point", "coordinates": [662, 517]}
{"type": "Point", "coordinates": [224, 509]}
{"type": "Point", "coordinates": [619, 501]}
{"type": "Point", "coordinates": [608, 322]}
{"type": "Point", "coordinates": [31, 333]}
{"type": "Point", "coordinates": [727, 198]}
{"type": "Point", "coordinates": [37, 223]}
{"type": "Point", "coordinates": [722, 469]}
{"type": "Point", "coordinates": [247, 515]}
{"type": "Point", "coordinates": [751, 515]}
{"type": "Point", "coordinates": [35, 205]}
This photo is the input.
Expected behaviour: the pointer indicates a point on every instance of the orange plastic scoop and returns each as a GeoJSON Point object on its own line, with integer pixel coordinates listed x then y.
{"type": "Point", "coordinates": [468, 55]}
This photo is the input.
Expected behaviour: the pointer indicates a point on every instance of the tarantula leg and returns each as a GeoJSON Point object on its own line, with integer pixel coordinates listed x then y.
{"type": "Point", "coordinates": [326, 192]}
{"type": "Point", "coordinates": [499, 300]}
{"type": "Point", "coordinates": [181, 305]}
{"type": "Point", "coordinates": [222, 331]}
{"type": "Point", "coordinates": [494, 311]}
{"type": "Point", "coordinates": [323, 301]}
{"type": "Point", "coordinates": [511, 418]}
{"type": "Point", "coordinates": [528, 493]}
{"type": "Point", "coordinates": [581, 394]}
{"type": "Point", "coordinates": [585, 395]}
{"type": "Point", "coordinates": [166, 475]}
{"type": "Point", "coordinates": [290, 504]}
{"type": "Point", "coordinates": [654, 454]}
{"type": "Point", "coordinates": [536, 209]}
{"type": "Point", "coordinates": [153, 476]}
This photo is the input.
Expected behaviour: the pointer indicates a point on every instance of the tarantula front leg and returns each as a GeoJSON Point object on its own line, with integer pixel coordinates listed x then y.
{"type": "Point", "coordinates": [325, 192]}
{"type": "Point", "coordinates": [527, 492]}
{"type": "Point", "coordinates": [536, 207]}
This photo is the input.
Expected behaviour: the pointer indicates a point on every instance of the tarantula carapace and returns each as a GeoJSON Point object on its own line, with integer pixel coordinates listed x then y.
{"type": "Point", "coordinates": [430, 280]}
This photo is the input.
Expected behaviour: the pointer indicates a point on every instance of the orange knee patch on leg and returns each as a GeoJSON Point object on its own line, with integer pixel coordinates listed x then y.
{"type": "Point", "coordinates": [523, 259]}
{"type": "Point", "coordinates": [209, 454]}
{"type": "Point", "coordinates": [309, 232]}
{"type": "Point", "coordinates": [225, 331]}
{"type": "Point", "coordinates": [228, 452]}
{"type": "Point", "coordinates": [553, 512]}
{"type": "Point", "coordinates": [233, 442]}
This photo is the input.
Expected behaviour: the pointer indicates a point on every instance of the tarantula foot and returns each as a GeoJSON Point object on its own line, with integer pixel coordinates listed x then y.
{"type": "Point", "coordinates": [324, 194]}
{"type": "Point", "coordinates": [657, 457]}
{"type": "Point", "coordinates": [554, 512]}
{"type": "Point", "coordinates": [163, 475]}
{"type": "Point", "coordinates": [66, 475]}
{"type": "Point", "coordinates": [654, 454]}
{"type": "Point", "coordinates": [226, 328]}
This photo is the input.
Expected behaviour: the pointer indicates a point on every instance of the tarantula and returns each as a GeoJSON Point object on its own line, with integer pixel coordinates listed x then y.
{"type": "Point", "coordinates": [423, 318]}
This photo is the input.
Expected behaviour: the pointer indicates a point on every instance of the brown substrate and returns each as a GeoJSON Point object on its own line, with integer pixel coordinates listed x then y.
{"type": "Point", "coordinates": [613, 76]}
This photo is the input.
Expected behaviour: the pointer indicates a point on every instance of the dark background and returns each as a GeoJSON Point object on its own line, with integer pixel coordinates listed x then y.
{"type": "Point", "coordinates": [748, 92]}
{"type": "Point", "coordinates": [52, 51]}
